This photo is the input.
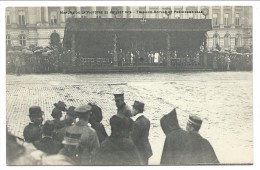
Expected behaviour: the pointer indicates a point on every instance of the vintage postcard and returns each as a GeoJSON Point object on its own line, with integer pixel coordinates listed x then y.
{"type": "Point", "coordinates": [129, 83]}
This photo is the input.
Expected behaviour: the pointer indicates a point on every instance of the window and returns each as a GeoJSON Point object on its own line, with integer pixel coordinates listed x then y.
{"type": "Point", "coordinates": [21, 15]}
{"type": "Point", "coordinates": [215, 19]}
{"type": "Point", "coordinates": [227, 41]}
{"type": "Point", "coordinates": [7, 19]}
{"type": "Point", "coordinates": [54, 18]}
{"type": "Point", "coordinates": [215, 40]}
{"type": "Point", "coordinates": [8, 40]}
{"type": "Point", "coordinates": [238, 40]}
{"type": "Point", "coordinates": [226, 22]}
{"type": "Point", "coordinates": [22, 40]}
{"type": "Point", "coordinates": [237, 20]}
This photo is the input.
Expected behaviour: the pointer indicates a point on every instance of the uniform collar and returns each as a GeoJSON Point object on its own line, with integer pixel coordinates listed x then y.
{"type": "Point", "coordinates": [137, 116]}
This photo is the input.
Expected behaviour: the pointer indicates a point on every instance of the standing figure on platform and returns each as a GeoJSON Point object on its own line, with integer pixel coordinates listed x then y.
{"type": "Point", "coordinates": [122, 108]}
{"type": "Point", "coordinates": [33, 131]}
{"type": "Point", "coordinates": [140, 132]}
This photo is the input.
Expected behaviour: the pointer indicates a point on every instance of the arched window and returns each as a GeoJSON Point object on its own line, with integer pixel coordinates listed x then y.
{"type": "Point", "coordinates": [227, 39]}
{"type": "Point", "coordinates": [23, 40]}
{"type": "Point", "coordinates": [215, 40]}
{"type": "Point", "coordinates": [238, 40]}
{"type": "Point", "coordinates": [8, 40]}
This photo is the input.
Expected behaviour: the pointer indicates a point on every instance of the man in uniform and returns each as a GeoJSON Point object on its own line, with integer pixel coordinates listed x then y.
{"type": "Point", "coordinates": [140, 132]}
{"type": "Point", "coordinates": [198, 150]}
{"type": "Point", "coordinates": [122, 108]}
{"type": "Point", "coordinates": [33, 131]}
{"type": "Point", "coordinates": [89, 140]}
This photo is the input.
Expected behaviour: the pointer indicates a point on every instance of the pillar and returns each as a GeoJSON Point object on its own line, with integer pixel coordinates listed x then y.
{"type": "Point", "coordinates": [147, 15]}
{"type": "Point", "coordinates": [132, 12]}
{"type": "Point", "coordinates": [124, 12]}
{"type": "Point", "coordinates": [210, 12]}
{"type": "Point", "coordinates": [184, 14]}
{"type": "Point", "coordinates": [13, 16]}
{"type": "Point", "coordinates": [221, 15]}
{"type": "Point", "coordinates": [62, 16]}
{"type": "Point", "coordinates": [168, 55]}
{"type": "Point", "coordinates": [160, 9]}
{"type": "Point", "coordinates": [73, 47]}
{"type": "Point", "coordinates": [78, 10]}
{"type": "Point", "coordinates": [233, 16]}
{"type": "Point", "coordinates": [46, 15]}
{"type": "Point", "coordinates": [94, 8]}
{"type": "Point", "coordinates": [109, 15]}
{"type": "Point", "coordinates": [115, 57]}
{"type": "Point", "coordinates": [199, 14]}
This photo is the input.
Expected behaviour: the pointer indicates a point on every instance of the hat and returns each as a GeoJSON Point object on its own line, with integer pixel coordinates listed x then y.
{"type": "Point", "coordinates": [139, 106]}
{"type": "Point", "coordinates": [96, 113]}
{"type": "Point", "coordinates": [71, 137]}
{"type": "Point", "coordinates": [195, 120]}
{"type": "Point", "coordinates": [60, 105]}
{"type": "Point", "coordinates": [83, 109]}
{"type": "Point", "coordinates": [169, 122]}
{"type": "Point", "coordinates": [71, 110]}
{"type": "Point", "coordinates": [35, 111]}
{"type": "Point", "coordinates": [56, 113]}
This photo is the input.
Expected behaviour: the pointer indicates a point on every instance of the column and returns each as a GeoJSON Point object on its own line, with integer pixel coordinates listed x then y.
{"type": "Point", "coordinates": [115, 57]}
{"type": "Point", "coordinates": [160, 9]}
{"type": "Point", "coordinates": [13, 14]}
{"type": "Point", "coordinates": [199, 14]}
{"type": "Point", "coordinates": [73, 47]}
{"type": "Point", "coordinates": [62, 16]}
{"type": "Point", "coordinates": [184, 14]}
{"type": "Point", "coordinates": [221, 15]}
{"type": "Point", "coordinates": [132, 12]}
{"type": "Point", "coordinates": [78, 9]}
{"type": "Point", "coordinates": [109, 15]}
{"type": "Point", "coordinates": [94, 8]}
{"type": "Point", "coordinates": [233, 16]}
{"type": "Point", "coordinates": [124, 12]}
{"type": "Point", "coordinates": [147, 15]}
{"type": "Point", "coordinates": [168, 55]}
{"type": "Point", "coordinates": [46, 15]}
{"type": "Point", "coordinates": [210, 12]}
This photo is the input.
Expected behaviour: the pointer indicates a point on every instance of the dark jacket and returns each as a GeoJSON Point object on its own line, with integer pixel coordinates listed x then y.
{"type": "Point", "coordinates": [100, 130]}
{"type": "Point", "coordinates": [140, 135]}
{"type": "Point", "coordinates": [118, 151]}
{"type": "Point", "coordinates": [182, 147]}
{"type": "Point", "coordinates": [48, 145]}
{"type": "Point", "coordinates": [32, 132]}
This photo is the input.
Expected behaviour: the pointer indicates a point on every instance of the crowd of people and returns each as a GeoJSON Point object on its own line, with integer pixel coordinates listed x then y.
{"type": "Point", "coordinates": [80, 138]}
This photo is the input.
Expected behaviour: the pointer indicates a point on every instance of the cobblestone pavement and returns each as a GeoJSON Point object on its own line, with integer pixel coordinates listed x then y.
{"type": "Point", "coordinates": [221, 99]}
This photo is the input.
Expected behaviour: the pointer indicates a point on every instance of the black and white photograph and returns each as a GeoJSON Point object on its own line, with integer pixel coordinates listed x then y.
{"type": "Point", "coordinates": [129, 84]}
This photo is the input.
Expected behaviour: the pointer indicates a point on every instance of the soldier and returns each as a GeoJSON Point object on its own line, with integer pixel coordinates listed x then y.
{"type": "Point", "coordinates": [122, 108]}
{"type": "Point", "coordinates": [33, 131]}
{"type": "Point", "coordinates": [140, 132]}
{"type": "Point", "coordinates": [89, 141]}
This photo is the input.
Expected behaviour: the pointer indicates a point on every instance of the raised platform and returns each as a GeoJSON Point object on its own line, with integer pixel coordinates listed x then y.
{"type": "Point", "coordinates": [122, 69]}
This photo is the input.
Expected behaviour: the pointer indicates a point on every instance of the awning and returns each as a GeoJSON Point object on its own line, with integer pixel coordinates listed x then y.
{"type": "Point", "coordinates": [136, 24]}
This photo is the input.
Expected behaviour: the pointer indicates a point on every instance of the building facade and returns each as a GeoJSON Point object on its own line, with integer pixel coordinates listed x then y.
{"type": "Point", "coordinates": [232, 25]}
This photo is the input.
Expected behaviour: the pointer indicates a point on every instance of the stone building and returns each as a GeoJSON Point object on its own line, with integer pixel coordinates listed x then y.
{"type": "Point", "coordinates": [232, 25]}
